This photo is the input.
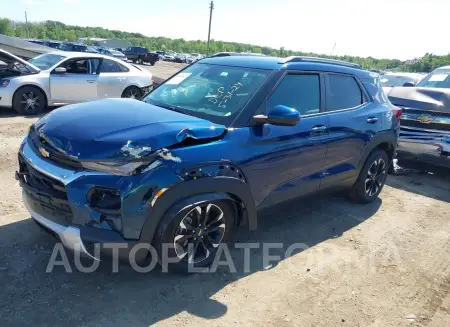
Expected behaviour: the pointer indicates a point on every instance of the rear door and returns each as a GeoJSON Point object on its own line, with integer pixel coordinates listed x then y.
{"type": "Point", "coordinates": [354, 120]}
{"type": "Point", "coordinates": [291, 158]}
{"type": "Point", "coordinates": [112, 79]}
{"type": "Point", "coordinates": [78, 84]}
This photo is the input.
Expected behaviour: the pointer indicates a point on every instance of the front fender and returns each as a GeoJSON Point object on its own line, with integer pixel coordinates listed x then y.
{"type": "Point", "coordinates": [200, 190]}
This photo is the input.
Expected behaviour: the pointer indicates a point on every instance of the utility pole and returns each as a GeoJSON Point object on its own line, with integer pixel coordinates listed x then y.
{"type": "Point", "coordinates": [211, 7]}
{"type": "Point", "coordinates": [26, 23]}
{"type": "Point", "coordinates": [332, 50]}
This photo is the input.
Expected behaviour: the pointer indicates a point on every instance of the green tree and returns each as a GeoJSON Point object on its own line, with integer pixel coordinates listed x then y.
{"type": "Point", "coordinates": [6, 27]}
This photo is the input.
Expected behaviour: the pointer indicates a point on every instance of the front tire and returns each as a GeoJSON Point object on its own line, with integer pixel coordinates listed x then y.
{"type": "Point", "coordinates": [29, 100]}
{"type": "Point", "coordinates": [194, 234]}
{"type": "Point", "coordinates": [371, 179]}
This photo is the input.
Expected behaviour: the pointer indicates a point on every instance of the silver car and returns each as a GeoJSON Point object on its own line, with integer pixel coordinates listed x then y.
{"type": "Point", "coordinates": [59, 78]}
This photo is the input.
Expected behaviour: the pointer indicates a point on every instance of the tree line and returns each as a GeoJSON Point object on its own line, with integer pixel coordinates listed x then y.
{"type": "Point", "coordinates": [53, 30]}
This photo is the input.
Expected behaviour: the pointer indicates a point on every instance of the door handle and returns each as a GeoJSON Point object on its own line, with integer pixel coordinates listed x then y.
{"type": "Point", "coordinates": [372, 120]}
{"type": "Point", "coordinates": [316, 130]}
{"type": "Point", "coordinates": [90, 81]}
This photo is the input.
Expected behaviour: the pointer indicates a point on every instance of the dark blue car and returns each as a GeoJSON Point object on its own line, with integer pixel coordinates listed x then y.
{"type": "Point", "coordinates": [205, 151]}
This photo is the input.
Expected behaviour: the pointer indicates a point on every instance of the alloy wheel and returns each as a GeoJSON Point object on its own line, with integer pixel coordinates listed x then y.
{"type": "Point", "coordinates": [376, 176]}
{"type": "Point", "coordinates": [199, 233]}
{"type": "Point", "coordinates": [30, 102]}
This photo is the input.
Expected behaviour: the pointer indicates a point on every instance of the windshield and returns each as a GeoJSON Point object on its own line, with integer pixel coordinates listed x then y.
{"type": "Point", "coordinates": [46, 61]}
{"type": "Point", "coordinates": [396, 80]}
{"type": "Point", "coordinates": [216, 93]}
{"type": "Point", "coordinates": [438, 78]}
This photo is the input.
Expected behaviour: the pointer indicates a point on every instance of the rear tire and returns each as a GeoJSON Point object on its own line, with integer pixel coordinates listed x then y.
{"type": "Point", "coordinates": [371, 179]}
{"type": "Point", "coordinates": [132, 92]}
{"type": "Point", "coordinates": [29, 100]}
{"type": "Point", "coordinates": [194, 234]}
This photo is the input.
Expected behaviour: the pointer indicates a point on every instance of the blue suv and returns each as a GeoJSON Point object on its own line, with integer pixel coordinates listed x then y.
{"type": "Point", "coordinates": [205, 151]}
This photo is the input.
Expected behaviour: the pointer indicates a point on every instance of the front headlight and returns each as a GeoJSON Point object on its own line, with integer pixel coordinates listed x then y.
{"type": "Point", "coordinates": [114, 167]}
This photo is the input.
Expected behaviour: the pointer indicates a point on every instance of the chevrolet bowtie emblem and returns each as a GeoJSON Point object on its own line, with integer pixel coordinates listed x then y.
{"type": "Point", "coordinates": [425, 119]}
{"type": "Point", "coordinates": [44, 152]}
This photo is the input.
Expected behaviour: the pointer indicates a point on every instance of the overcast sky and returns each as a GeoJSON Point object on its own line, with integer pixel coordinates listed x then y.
{"type": "Point", "coordinates": [401, 29]}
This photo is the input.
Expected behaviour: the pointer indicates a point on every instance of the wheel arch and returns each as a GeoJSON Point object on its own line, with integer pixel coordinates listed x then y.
{"type": "Point", "coordinates": [386, 141]}
{"type": "Point", "coordinates": [200, 190]}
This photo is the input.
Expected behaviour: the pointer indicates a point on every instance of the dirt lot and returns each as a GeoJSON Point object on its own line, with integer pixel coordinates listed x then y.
{"type": "Point", "coordinates": [163, 69]}
{"type": "Point", "coordinates": [384, 264]}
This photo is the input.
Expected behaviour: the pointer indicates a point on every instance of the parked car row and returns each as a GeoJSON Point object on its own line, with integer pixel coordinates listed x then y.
{"type": "Point", "coordinates": [66, 46]}
{"type": "Point", "coordinates": [134, 53]}
{"type": "Point", "coordinates": [186, 58]}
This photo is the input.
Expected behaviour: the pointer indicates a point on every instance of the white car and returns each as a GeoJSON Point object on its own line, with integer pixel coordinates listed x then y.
{"type": "Point", "coordinates": [59, 78]}
{"type": "Point", "coordinates": [390, 80]}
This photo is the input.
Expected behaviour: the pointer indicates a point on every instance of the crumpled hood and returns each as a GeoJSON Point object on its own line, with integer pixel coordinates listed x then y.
{"type": "Point", "coordinates": [120, 129]}
{"type": "Point", "coordinates": [436, 99]}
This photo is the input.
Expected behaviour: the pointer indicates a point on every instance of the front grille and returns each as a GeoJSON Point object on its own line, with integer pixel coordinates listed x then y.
{"type": "Point", "coordinates": [46, 195]}
{"type": "Point", "coordinates": [418, 124]}
{"type": "Point", "coordinates": [426, 112]}
{"type": "Point", "coordinates": [54, 155]}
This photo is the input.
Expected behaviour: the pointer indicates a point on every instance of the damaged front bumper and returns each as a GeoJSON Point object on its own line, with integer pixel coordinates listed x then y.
{"type": "Point", "coordinates": [426, 146]}
{"type": "Point", "coordinates": [82, 207]}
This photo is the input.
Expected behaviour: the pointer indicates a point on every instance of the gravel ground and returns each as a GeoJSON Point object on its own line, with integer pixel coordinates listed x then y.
{"type": "Point", "coordinates": [383, 264]}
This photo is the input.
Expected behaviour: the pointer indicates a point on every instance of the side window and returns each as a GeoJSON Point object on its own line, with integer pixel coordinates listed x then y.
{"type": "Point", "coordinates": [343, 92]}
{"type": "Point", "coordinates": [301, 92]}
{"type": "Point", "coordinates": [110, 66]}
{"type": "Point", "coordinates": [77, 66]}
{"type": "Point", "coordinates": [123, 68]}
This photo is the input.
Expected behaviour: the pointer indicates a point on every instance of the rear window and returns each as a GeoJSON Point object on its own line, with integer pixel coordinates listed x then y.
{"type": "Point", "coordinates": [343, 92]}
{"type": "Point", "coordinates": [439, 79]}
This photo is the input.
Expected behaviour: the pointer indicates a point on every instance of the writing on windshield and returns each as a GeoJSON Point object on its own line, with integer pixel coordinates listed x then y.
{"type": "Point", "coordinates": [209, 90]}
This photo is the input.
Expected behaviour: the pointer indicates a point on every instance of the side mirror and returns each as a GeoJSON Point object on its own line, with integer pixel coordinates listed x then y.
{"type": "Point", "coordinates": [408, 84]}
{"type": "Point", "coordinates": [280, 116]}
{"type": "Point", "coordinates": [60, 70]}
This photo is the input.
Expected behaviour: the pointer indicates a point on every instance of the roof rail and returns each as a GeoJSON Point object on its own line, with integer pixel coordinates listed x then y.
{"type": "Point", "coordinates": [319, 60]}
{"type": "Point", "coordinates": [226, 54]}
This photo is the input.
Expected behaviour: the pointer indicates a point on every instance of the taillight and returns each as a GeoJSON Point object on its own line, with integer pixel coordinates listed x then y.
{"type": "Point", "coordinates": [397, 112]}
{"type": "Point", "coordinates": [153, 79]}
{"type": "Point", "coordinates": [145, 54]}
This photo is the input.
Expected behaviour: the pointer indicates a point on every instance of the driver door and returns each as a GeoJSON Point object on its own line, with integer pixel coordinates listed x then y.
{"type": "Point", "coordinates": [78, 84]}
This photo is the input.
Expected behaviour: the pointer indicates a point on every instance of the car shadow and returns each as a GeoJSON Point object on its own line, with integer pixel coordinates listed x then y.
{"type": "Point", "coordinates": [432, 185]}
{"type": "Point", "coordinates": [135, 299]}
{"type": "Point", "coordinates": [10, 113]}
